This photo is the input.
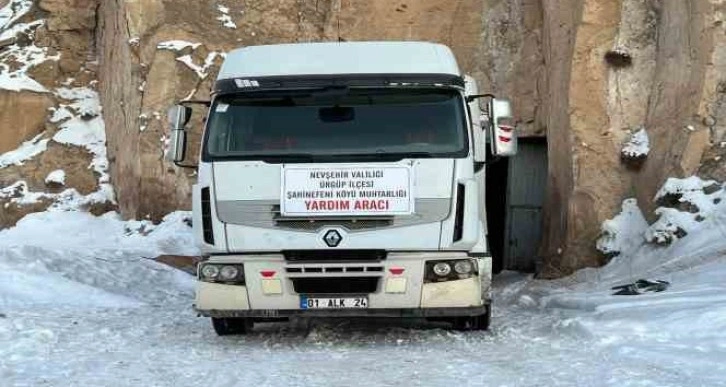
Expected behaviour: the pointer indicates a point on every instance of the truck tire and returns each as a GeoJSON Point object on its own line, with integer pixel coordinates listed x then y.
{"type": "Point", "coordinates": [473, 323]}
{"type": "Point", "coordinates": [231, 326]}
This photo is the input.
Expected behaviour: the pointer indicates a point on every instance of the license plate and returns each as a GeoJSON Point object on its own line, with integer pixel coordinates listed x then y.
{"type": "Point", "coordinates": [333, 302]}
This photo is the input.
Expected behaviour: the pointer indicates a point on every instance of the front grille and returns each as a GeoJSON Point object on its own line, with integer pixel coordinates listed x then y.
{"type": "Point", "coordinates": [335, 285]}
{"type": "Point", "coordinates": [333, 269]}
{"type": "Point", "coordinates": [334, 255]}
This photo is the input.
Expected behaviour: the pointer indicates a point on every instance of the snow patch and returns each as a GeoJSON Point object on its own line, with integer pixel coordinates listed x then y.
{"type": "Point", "coordinates": [57, 177]}
{"type": "Point", "coordinates": [24, 58]}
{"type": "Point", "coordinates": [688, 190]}
{"type": "Point", "coordinates": [685, 324]}
{"type": "Point", "coordinates": [14, 10]}
{"type": "Point", "coordinates": [80, 124]}
{"type": "Point", "coordinates": [177, 45]}
{"type": "Point", "coordinates": [144, 121]}
{"type": "Point", "coordinates": [696, 207]}
{"type": "Point", "coordinates": [18, 82]}
{"type": "Point", "coordinates": [624, 231]}
{"type": "Point", "coordinates": [85, 101]}
{"type": "Point", "coordinates": [87, 134]}
{"type": "Point", "coordinates": [671, 225]}
{"type": "Point", "coordinates": [201, 70]}
{"type": "Point", "coordinates": [165, 142]}
{"type": "Point", "coordinates": [60, 114]}
{"type": "Point", "coordinates": [85, 128]}
{"type": "Point", "coordinates": [91, 282]}
{"type": "Point", "coordinates": [77, 259]}
{"type": "Point", "coordinates": [225, 18]}
{"type": "Point", "coordinates": [26, 151]}
{"type": "Point", "coordinates": [16, 78]}
{"type": "Point", "coordinates": [690, 202]}
{"type": "Point", "coordinates": [689, 206]}
{"type": "Point", "coordinates": [638, 145]}
{"type": "Point", "coordinates": [78, 231]}
{"type": "Point", "coordinates": [19, 193]}
{"type": "Point", "coordinates": [69, 199]}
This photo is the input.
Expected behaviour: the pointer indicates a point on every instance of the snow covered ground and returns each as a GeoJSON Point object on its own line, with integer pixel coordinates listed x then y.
{"type": "Point", "coordinates": [82, 305]}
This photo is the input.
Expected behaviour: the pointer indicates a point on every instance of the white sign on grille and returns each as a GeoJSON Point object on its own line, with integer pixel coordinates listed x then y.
{"type": "Point", "coordinates": [352, 191]}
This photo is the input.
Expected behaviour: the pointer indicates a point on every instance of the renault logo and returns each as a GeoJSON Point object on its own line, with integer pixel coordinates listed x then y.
{"type": "Point", "coordinates": [332, 238]}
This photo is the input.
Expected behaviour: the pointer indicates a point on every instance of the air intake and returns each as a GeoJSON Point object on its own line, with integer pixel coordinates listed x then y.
{"type": "Point", "coordinates": [334, 255]}
{"type": "Point", "coordinates": [335, 285]}
{"type": "Point", "coordinates": [207, 217]}
{"type": "Point", "coordinates": [459, 220]}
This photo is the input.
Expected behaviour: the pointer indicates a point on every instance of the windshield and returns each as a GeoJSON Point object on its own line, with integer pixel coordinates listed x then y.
{"type": "Point", "coordinates": [338, 122]}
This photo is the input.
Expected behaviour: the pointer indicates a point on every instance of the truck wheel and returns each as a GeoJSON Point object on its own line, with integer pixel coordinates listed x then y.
{"type": "Point", "coordinates": [473, 323]}
{"type": "Point", "coordinates": [231, 326]}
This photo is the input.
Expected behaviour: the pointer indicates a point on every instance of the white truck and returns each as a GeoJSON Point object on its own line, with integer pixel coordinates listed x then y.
{"type": "Point", "coordinates": [343, 179]}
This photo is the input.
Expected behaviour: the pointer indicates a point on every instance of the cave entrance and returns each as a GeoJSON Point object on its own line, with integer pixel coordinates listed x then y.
{"type": "Point", "coordinates": [515, 191]}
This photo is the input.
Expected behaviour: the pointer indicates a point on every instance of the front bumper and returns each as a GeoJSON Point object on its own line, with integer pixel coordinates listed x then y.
{"type": "Point", "coordinates": [400, 313]}
{"type": "Point", "coordinates": [396, 295]}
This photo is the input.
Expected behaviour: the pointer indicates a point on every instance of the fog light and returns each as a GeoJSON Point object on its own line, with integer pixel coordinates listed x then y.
{"type": "Point", "coordinates": [210, 272]}
{"type": "Point", "coordinates": [228, 273]}
{"type": "Point", "coordinates": [463, 267]}
{"type": "Point", "coordinates": [442, 269]}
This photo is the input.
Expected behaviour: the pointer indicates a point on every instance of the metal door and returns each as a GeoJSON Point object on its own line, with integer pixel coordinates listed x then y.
{"type": "Point", "coordinates": [525, 195]}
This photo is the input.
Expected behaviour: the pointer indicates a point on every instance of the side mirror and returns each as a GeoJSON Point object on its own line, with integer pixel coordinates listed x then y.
{"type": "Point", "coordinates": [178, 116]}
{"type": "Point", "coordinates": [474, 102]}
{"type": "Point", "coordinates": [503, 134]}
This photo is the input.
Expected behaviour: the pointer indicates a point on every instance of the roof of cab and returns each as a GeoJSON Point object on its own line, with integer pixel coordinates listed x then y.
{"type": "Point", "coordinates": [339, 58]}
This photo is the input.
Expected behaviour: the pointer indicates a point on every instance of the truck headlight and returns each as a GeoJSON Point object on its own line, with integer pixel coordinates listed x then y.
{"type": "Point", "coordinates": [210, 272]}
{"type": "Point", "coordinates": [463, 267]}
{"type": "Point", "coordinates": [228, 273]}
{"type": "Point", "coordinates": [442, 269]}
{"type": "Point", "coordinates": [221, 272]}
{"type": "Point", "coordinates": [450, 270]}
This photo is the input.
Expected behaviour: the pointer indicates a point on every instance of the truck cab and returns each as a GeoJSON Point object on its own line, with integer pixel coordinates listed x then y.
{"type": "Point", "coordinates": [344, 179]}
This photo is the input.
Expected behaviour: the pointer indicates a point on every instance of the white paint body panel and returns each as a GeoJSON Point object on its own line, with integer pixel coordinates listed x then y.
{"type": "Point", "coordinates": [205, 179]}
{"type": "Point", "coordinates": [211, 296]}
{"type": "Point", "coordinates": [420, 237]}
{"type": "Point", "coordinates": [260, 181]}
{"type": "Point", "coordinates": [339, 58]}
{"type": "Point", "coordinates": [256, 180]}
{"type": "Point", "coordinates": [462, 293]}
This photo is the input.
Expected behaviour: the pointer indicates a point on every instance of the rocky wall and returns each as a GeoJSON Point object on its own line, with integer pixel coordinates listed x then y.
{"type": "Point", "coordinates": [585, 74]}
{"type": "Point", "coordinates": [155, 53]}
{"type": "Point", "coordinates": [51, 130]}
{"type": "Point", "coordinates": [615, 67]}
